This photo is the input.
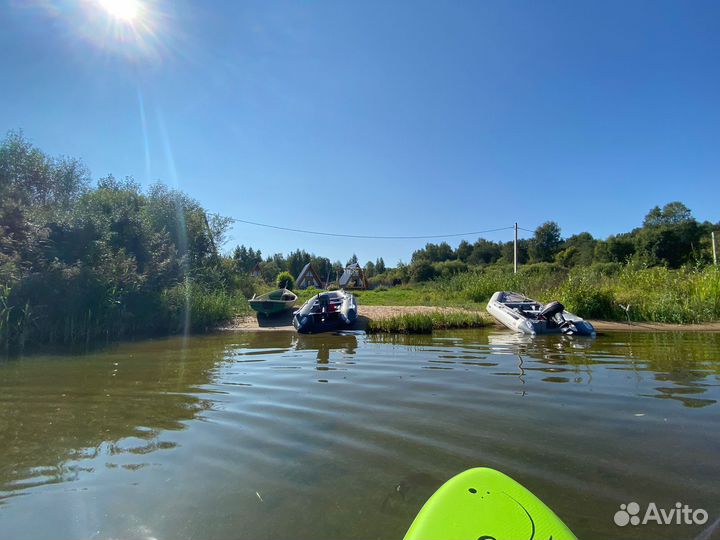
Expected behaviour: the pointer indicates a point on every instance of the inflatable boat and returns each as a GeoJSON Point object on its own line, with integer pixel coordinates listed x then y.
{"type": "Point", "coordinates": [528, 316]}
{"type": "Point", "coordinates": [325, 312]}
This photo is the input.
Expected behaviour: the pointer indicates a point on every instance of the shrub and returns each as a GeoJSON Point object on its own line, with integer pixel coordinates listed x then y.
{"type": "Point", "coordinates": [583, 296]}
{"type": "Point", "coordinates": [421, 271]}
{"type": "Point", "coordinates": [285, 280]}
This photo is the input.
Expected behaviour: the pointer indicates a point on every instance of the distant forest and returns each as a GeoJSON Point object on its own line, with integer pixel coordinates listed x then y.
{"type": "Point", "coordinates": [83, 260]}
{"type": "Point", "coordinates": [669, 236]}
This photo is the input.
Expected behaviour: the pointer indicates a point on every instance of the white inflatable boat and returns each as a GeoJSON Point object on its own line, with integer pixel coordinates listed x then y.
{"type": "Point", "coordinates": [528, 316]}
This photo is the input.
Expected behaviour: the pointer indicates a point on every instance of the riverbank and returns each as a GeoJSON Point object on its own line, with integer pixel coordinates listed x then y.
{"type": "Point", "coordinates": [374, 318]}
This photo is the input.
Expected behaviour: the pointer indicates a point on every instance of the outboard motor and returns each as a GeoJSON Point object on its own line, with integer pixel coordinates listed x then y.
{"type": "Point", "coordinates": [554, 312]}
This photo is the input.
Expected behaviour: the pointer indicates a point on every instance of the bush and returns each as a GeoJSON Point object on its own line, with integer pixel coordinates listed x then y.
{"type": "Point", "coordinates": [450, 268]}
{"type": "Point", "coordinates": [581, 294]}
{"type": "Point", "coordinates": [421, 271]}
{"type": "Point", "coordinates": [285, 280]}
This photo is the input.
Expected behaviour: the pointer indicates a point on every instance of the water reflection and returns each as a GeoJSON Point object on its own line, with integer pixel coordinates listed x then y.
{"type": "Point", "coordinates": [325, 343]}
{"type": "Point", "coordinates": [237, 429]}
{"type": "Point", "coordinates": [57, 412]}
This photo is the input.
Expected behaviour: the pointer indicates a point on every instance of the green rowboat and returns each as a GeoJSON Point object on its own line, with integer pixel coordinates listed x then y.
{"type": "Point", "coordinates": [273, 302]}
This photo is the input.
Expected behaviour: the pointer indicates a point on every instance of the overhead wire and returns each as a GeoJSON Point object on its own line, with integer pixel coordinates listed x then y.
{"type": "Point", "coordinates": [368, 236]}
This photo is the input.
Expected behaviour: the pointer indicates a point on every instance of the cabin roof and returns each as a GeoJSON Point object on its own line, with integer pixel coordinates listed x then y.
{"type": "Point", "coordinates": [308, 276]}
{"type": "Point", "coordinates": [353, 272]}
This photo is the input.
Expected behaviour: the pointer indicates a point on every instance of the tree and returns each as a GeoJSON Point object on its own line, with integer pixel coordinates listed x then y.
{"type": "Point", "coordinates": [546, 242]}
{"type": "Point", "coordinates": [434, 253]}
{"type": "Point", "coordinates": [380, 266]}
{"type": "Point", "coordinates": [297, 260]}
{"type": "Point", "coordinates": [463, 251]}
{"type": "Point", "coordinates": [269, 270]}
{"type": "Point", "coordinates": [579, 250]}
{"type": "Point", "coordinates": [672, 213]}
{"type": "Point", "coordinates": [246, 258]}
{"type": "Point", "coordinates": [369, 269]}
{"type": "Point", "coordinates": [508, 251]}
{"type": "Point", "coordinates": [353, 260]}
{"type": "Point", "coordinates": [484, 252]}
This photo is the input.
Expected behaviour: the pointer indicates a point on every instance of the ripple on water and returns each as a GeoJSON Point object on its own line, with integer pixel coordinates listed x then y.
{"type": "Point", "coordinates": [233, 435]}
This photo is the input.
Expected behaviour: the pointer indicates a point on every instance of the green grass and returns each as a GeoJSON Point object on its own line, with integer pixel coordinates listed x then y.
{"type": "Point", "coordinates": [422, 323]}
{"type": "Point", "coordinates": [199, 308]}
{"type": "Point", "coordinates": [656, 294]}
{"type": "Point", "coordinates": [420, 294]}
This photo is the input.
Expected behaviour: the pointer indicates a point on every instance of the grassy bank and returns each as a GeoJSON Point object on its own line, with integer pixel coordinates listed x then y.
{"type": "Point", "coordinates": [605, 291]}
{"type": "Point", "coordinates": [601, 291]}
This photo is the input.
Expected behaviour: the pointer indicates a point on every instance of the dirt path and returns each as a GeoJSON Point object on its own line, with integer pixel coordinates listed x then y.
{"type": "Point", "coordinates": [615, 326]}
{"type": "Point", "coordinates": [284, 320]}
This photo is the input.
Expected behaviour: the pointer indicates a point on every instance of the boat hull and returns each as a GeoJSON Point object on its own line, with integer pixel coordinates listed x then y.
{"type": "Point", "coordinates": [270, 307]}
{"type": "Point", "coordinates": [273, 302]}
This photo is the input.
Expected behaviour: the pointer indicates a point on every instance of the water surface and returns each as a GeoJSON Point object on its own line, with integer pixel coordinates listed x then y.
{"type": "Point", "coordinates": [274, 435]}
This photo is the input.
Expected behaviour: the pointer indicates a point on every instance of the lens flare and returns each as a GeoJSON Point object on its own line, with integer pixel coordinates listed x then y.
{"type": "Point", "coordinates": [123, 10]}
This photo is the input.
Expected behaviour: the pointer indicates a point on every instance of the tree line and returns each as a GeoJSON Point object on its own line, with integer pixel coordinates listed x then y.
{"type": "Point", "coordinates": [669, 236]}
{"type": "Point", "coordinates": [83, 260]}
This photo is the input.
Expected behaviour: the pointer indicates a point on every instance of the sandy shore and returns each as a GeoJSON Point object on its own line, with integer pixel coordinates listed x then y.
{"type": "Point", "coordinates": [284, 321]}
{"type": "Point", "coordinates": [615, 326]}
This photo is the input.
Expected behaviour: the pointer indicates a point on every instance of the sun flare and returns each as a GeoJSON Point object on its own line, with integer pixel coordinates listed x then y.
{"type": "Point", "coordinates": [123, 10]}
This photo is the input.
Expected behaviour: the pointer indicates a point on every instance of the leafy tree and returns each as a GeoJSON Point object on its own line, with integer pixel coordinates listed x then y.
{"type": "Point", "coordinates": [484, 252]}
{"type": "Point", "coordinates": [464, 250]}
{"type": "Point", "coordinates": [673, 213]}
{"type": "Point", "coordinates": [322, 266]}
{"type": "Point", "coordinates": [269, 270]}
{"type": "Point", "coordinates": [579, 250]}
{"type": "Point", "coordinates": [380, 266]}
{"type": "Point", "coordinates": [546, 242]}
{"type": "Point", "coordinates": [297, 260]}
{"type": "Point", "coordinates": [507, 249]}
{"type": "Point", "coordinates": [434, 253]}
{"type": "Point", "coordinates": [352, 260]}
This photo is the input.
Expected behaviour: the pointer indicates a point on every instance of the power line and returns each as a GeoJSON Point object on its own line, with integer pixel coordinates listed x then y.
{"type": "Point", "coordinates": [372, 237]}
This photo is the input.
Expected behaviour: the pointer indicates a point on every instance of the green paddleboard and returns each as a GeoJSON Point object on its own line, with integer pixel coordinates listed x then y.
{"type": "Point", "coordinates": [485, 504]}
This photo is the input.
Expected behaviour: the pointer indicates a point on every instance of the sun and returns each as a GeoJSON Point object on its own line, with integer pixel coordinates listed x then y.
{"type": "Point", "coordinates": [123, 10]}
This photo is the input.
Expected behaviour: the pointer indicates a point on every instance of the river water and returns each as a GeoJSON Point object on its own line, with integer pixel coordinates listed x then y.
{"type": "Point", "coordinates": [275, 435]}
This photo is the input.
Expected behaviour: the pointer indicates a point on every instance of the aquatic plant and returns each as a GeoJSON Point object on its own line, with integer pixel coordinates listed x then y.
{"type": "Point", "coordinates": [425, 323]}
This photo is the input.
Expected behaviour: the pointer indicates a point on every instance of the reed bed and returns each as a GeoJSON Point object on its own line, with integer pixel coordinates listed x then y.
{"type": "Point", "coordinates": [424, 323]}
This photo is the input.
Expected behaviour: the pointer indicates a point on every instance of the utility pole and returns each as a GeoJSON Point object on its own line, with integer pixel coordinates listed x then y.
{"type": "Point", "coordinates": [515, 250]}
{"type": "Point", "coordinates": [714, 244]}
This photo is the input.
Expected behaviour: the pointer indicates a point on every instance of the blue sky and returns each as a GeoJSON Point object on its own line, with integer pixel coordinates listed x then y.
{"type": "Point", "coordinates": [387, 118]}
